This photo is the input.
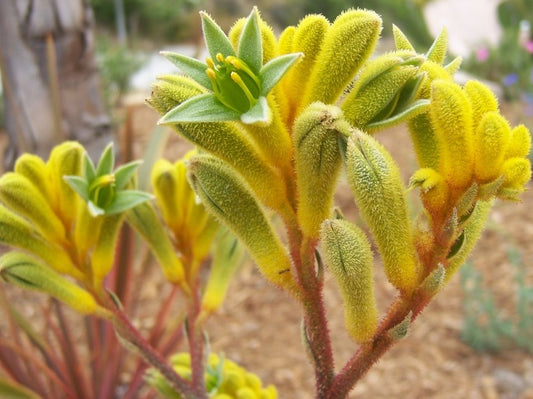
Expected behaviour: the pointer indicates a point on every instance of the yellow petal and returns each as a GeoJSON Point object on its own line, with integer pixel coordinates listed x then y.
{"type": "Point", "coordinates": [482, 100]}
{"type": "Point", "coordinates": [519, 143]}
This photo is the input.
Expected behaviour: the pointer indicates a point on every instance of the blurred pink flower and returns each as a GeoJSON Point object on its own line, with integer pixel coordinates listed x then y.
{"type": "Point", "coordinates": [482, 54]}
{"type": "Point", "coordinates": [529, 46]}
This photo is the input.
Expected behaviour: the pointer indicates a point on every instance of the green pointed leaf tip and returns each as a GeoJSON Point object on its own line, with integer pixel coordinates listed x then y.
{"type": "Point", "coordinates": [250, 47]}
{"type": "Point", "coordinates": [190, 66]}
{"type": "Point", "coordinates": [275, 69]}
{"type": "Point", "coordinates": [107, 161]}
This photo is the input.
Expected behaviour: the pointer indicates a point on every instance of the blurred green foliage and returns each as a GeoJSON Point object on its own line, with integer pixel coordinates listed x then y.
{"type": "Point", "coordinates": [487, 327]}
{"type": "Point", "coordinates": [161, 20]}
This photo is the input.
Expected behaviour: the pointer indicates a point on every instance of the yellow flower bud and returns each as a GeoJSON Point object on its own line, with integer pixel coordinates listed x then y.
{"type": "Point", "coordinates": [165, 183]}
{"type": "Point", "coordinates": [376, 184]}
{"type": "Point", "coordinates": [517, 172]}
{"type": "Point", "coordinates": [144, 220]}
{"type": "Point", "coordinates": [308, 38]}
{"type": "Point", "coordinates": [34, 169]}
{"type": "Point", "coordinates": [103, 254]}
{"type": "Point", "coordinates": [356, 30]}
{"type": "Point", "coordinates": [18, 233]}
{"type": "Point", "coordinates": [318, 160]}
{"type": "Point", "coordinates": [349, 257]}
{"type": "Point", "coordinates": [27, 272]}
{"type": "Point", "coordinates": [451, 118]}
{"type": "Point", "coordinates": [491, 138]}
{"type": "Point", "coordinates": [482, 100]}
{"type": "Point", "coordinates": [225, 195]}
{"type": "Point", "coordinates": [519, 143]}
{"type": "Point", "coordinates": [65, 160]}
{"type": "Point", "coordinates": [19, 194]}
{"type": "Point", "coordinates": [424, 141]}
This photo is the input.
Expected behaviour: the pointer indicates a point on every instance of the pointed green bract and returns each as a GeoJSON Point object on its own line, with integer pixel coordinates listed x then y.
{"type": "Point", "coordinates": [202, 108]}
{"type": "Point", "coordinates": [250, 48]}
{"type": "Point", "coordinates": [274, 70]}
{"type": "Point", "coordinates": [400, 40]}
{"type": "Point", "coordinates": [437, 51]}
{"type": "Point", "coordinates": [190, 66]}
{"type": "Point", "coordinates": [215, 38]}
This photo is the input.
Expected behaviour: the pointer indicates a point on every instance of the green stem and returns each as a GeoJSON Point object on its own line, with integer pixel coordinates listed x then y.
{"type": "Point", "coordinates": [196, 342]}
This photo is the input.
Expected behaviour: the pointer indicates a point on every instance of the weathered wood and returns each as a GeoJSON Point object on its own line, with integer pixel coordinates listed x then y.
{"type": "Point", "coordinates": [51, 82]}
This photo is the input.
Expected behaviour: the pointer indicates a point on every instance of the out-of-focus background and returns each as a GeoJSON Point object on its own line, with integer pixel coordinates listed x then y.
{"type": "Point", "coordinates": [81, 69]}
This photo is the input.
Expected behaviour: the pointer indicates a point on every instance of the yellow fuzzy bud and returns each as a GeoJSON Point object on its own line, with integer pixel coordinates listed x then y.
{"type": "Point", "coordinates": [19, 194]}
{"type": "Point", "coordinates": [34, 169]}
{"type": "Point", "coordinates": [424, 141]}
{"type": "Point", "coordinates": [18, 233]}
{"type": "Point", "coordinates": [376, 184]}
{"type": "Point", "coordinates": [519, 143]}
{"type": "Point", "coordinates": [226, 195]}
{"type": "Point", "coordinates": [517, 172]}
{"type": "Point", "coordinates": [482, 100]}
{"type": "Point", "coordinates": [65, 160]}
{"type": "Point", "coordinates": [144, 220]}
{"type": "Point", "coordinates": [103, 254]}
{"type": "Point", "coordinates": [308, 38]}
{"type": "Point", "coordinates": [491, 138]}
{"type": "Point", "coordinates": [357, 30]}
{"type": "Point", "coordinates": [451, 118]}
{"type": "Point", "coordinates": [350, 260]}
{"type": "Point", "coordinates": [27, 272]}
{"type": "Point", "coordinates": [318, 160]}
{"type": "Point", "coordinates": [165, 183]}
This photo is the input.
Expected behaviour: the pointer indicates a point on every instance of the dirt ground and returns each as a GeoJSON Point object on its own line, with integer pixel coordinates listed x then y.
{"type": "Point", "coordinates": [259, 327]}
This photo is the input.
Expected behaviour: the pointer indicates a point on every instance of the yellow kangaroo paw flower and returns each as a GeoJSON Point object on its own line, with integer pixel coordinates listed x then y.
{"type": "Point", "coordinates": [451, 118]}
{"type": "Point", "coordinates": [517, 172]}
{"type": "Point", "coordinates": [103, 254]}
{"type": "Point", "coordinates": [145, 221]}
{"type": "Point", "coordinates": [519, 143]}
{"type": "Point", "coordinates": [348, 43]}
{"type": "Point", "coordinates": [482, 100]}
{"type": "Point", "coordinates": [225, 195]}
{"type": "Point", "coordinates": [34, 169]}
{"type": "Point", "coordinates": [65, 160]}
{"type": "Point", "coordinates": [380, 196]}
{"type": "Point", "coordinates": [18, 233]}
{"type": "Point", "coordinates": [491, 138]}
{"type": "Point", "coordinates": [350, 260]}
{"type": "Point", "coordinates": [308, 38]}
{"type": "Point", "coordinates": [19, 194]}
{"type": "Point", "coordinates": [165, 183]}
{"type": "Point", "coordinates": [317, 133]}
{"type": "Point", "coordinates": [27, 272]}
{"type": "Point", "coordinates": [434, 191]}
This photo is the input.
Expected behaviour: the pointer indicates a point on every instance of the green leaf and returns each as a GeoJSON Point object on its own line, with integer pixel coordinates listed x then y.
{"type": "Point", "coordinates": [202, 108]}
{"type": "Point", "coordinates": [190, 66]}
{"type": "Point", "coordinates": [106, 164]}
{"type": "Point", "coordinates": [416, 108]}
{"type": "Point", "coordinates": [216, 40]}
{"type": "Point", "coordinates": [79, 185]}
{"type": "Point", "coordinates": [273, 71]}
{"type": "Point", "coordinates": [124, 173]}
{"type": "Point", "coordinates": [89, 171]}
{"type": "Point", "coordinates": [250, 44]}
{"type": "Point", "coordinates": [260, 112]}
{"type": "Point", "coordinates": [127, 199]}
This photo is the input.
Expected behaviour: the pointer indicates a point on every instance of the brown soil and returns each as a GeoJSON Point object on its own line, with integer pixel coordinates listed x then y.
{"type": "Point", "coordinates": [259, 326]}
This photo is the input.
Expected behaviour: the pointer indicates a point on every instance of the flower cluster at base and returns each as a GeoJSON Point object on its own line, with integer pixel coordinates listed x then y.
{"type": "Point", "coordinates": [224, 379]}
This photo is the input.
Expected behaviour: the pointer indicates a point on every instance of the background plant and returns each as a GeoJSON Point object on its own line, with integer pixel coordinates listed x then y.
{"type": "Point", "coordinates": [485, 325]}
